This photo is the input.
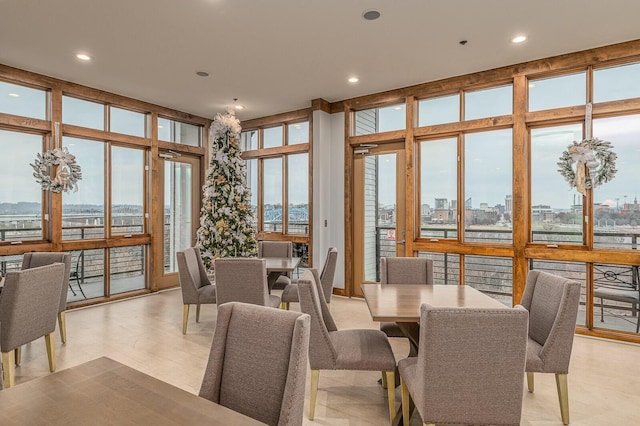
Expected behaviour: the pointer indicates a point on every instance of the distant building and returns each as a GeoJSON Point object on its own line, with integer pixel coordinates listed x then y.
{"type": "Point", "coordinates": [631, 207]}
{"type": "Point", "coordinates": [542, 213]}
{"type": "Point", "coordinates": [467, 204]}
{"type": "Point", "coordinates": [425, 214]}
{"type": "Point", "coordinates": [508, 204]}
{"type": "Point", "coordinates": [442, 204]}
{"type": "Point", "coordinates": [488, 216]}
{"type": "Point", "coordinates": [441, 216]}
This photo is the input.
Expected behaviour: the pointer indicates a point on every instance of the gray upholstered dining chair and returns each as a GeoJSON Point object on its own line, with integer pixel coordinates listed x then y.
{"type": "Point", "coordinates": [1, 376]}
{"type": "Point", "coordinates": [35, 259]}
{"type": "Point", "coordinates": [552, 302]}
{"type": "Point", "coordinates": [194, 283]}
{"type": "Point", "coordinates": [258, 362]}
{"type": "Point", "coordinates": [403, 270]}
{"type": "Point", "coordinates": [290, 292]}
{"type": "Point", "coordinates": [243, 280]}
{"type": "Point", "coordinates": [470, 366]}
{"type": "Point", "coordinates": [333, 349]}
{"type": "Point", "coordinates": [28, 311]}
{"type": "Point", "coordinates": [277, 249]}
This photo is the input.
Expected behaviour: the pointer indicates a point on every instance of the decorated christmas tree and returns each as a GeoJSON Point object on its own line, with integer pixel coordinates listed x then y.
{"type": "Point", "coordinates": [226, 220]}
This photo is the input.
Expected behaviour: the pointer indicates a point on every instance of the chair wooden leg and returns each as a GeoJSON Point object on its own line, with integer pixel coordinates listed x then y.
{"type": "Point", "coordinates": [185, 317]}
{"type": "Point", "coordinates": [62, 325]}
{"type": "Point", "coordinates": [391, 393]}
{"type": "Point", "coordinates": [384, 380]}
{"type": "Point", "coordinates": [51, 350]}
{"type": "Point", "coordinates": [285, 305]}
{"type": "Point", "coordinates": [530, 381]}
{"type": "Point", "coordinates": [563, 397]}
{"type": "Point", "coordinates": [8, 368]}
{"type": "Point", "coordinates": [198, 312]}
{"type": "Point", "coordinates": [406, 415]}
{"type": "Point", "coordinates": [315, 376]}
{"type": "Point", "coordinates": [18, 355]}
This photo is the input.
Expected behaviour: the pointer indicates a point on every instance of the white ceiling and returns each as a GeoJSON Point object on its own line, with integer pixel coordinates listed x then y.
{"type": "Point", "coordinates": [278, 55]}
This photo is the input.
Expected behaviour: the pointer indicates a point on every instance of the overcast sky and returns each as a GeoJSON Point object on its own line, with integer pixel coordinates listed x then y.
{"type": "Point", "coordinates": [487, 155]}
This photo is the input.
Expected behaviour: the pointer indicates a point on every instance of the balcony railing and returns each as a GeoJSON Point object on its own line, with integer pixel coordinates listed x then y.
{"type": "Point", "coordinates": [492, 275]}
{"type": "Point", "coordinates": [87, 266]}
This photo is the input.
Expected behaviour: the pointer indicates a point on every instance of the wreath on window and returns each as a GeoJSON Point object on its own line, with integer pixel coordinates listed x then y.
{"type": "Point", "coordinates": [595, 164]}
{"type": "Point", "coordinates": [67, 173]}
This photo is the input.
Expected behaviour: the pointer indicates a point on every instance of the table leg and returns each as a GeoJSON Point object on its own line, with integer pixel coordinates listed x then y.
{"type": "Point", "coordinates": [272, 277]}
{"type": "Point", "coordinates": [412, 331]}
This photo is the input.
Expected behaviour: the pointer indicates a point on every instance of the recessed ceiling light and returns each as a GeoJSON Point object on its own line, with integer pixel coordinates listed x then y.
{"type": "Point", "coordinates": [371, 14]}
{"type": "Point", "coordinates": [353, 79]}
{"type": "Point", "coordinates": [239, 107]}
{"type": "Point", "coordinates": [83, 57]}
{"type": "Point", "coordinates": [519, 39]}
{"type": "Point", "coordinates": [202, 74]}
{"type": "Point", "coordinates": [14, 95]}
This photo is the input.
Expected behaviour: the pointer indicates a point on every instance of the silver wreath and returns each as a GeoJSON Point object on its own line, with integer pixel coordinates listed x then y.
{"type": "Point", "coordinates": [68, 172]}
{"type": "Point", "coordinates": [595, 164]}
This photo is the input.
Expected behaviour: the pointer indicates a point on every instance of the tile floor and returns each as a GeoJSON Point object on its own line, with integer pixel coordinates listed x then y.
{"type": "Point", "coordinates": [145, 333]}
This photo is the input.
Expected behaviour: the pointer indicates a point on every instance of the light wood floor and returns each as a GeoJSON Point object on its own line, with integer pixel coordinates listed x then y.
{"type": "Point", "coordinates": [145, 333]}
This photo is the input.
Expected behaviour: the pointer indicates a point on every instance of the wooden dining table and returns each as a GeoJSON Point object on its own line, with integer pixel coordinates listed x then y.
{"type": "Point", "coordinates": [106, 392]}
{"type": "Point", "coordinates": [279, 264]}
{"type": "Point", "coordinates": [400, 303]}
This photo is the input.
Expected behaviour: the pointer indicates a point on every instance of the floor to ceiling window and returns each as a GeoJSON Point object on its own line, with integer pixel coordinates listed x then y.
{"type": "Point", "coordinates": [107, 223]}
{"type": "Point", "coordinates": [277, 157]}
{"type": "Point", "coordinates": [485, 196]}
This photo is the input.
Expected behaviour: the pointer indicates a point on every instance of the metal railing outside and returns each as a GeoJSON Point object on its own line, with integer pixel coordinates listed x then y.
{"type": "Point", "coordinates": [491, 275]}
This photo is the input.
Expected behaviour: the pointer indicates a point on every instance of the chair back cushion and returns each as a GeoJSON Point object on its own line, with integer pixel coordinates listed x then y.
{"type": "Point", "coordinates": [35, 259]}
{"type": "Point", "coordinates": [29, 304]}
{"type": "Point", "coordinates": [322, 353]}
{"type": "Point", "coordinates": [258, 363]}
{"type": "Point", "coordinates": [328, 273]}
{"type": "Point", "coordinates": [241, 280]}
{"type": "Point", "coordinates": [471, 365]}
{"type": "Point", "coordinates": [193, 275]}
{"type": "Point", "coordinates": [552, 302]}
{"type": "Point", "coordinates": [406, 270]}
{"type": "Point", "coordinates": [275, 249]}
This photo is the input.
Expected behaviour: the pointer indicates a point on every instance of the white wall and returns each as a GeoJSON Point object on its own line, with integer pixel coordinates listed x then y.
{"type": "Point", "coordinates": [328, 190]}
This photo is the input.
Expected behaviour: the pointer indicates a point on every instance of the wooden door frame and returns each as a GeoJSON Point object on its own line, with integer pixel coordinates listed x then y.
{"type": "Point", "coordinates": [170, 279]}
{"type": "Point", "coordinates": [357, 199]}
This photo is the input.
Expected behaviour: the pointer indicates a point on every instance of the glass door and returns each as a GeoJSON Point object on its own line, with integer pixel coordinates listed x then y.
{"type": "Point", "coordinates": [378, 211]}
{"type": "Point", "coordinates": [180, 213]}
